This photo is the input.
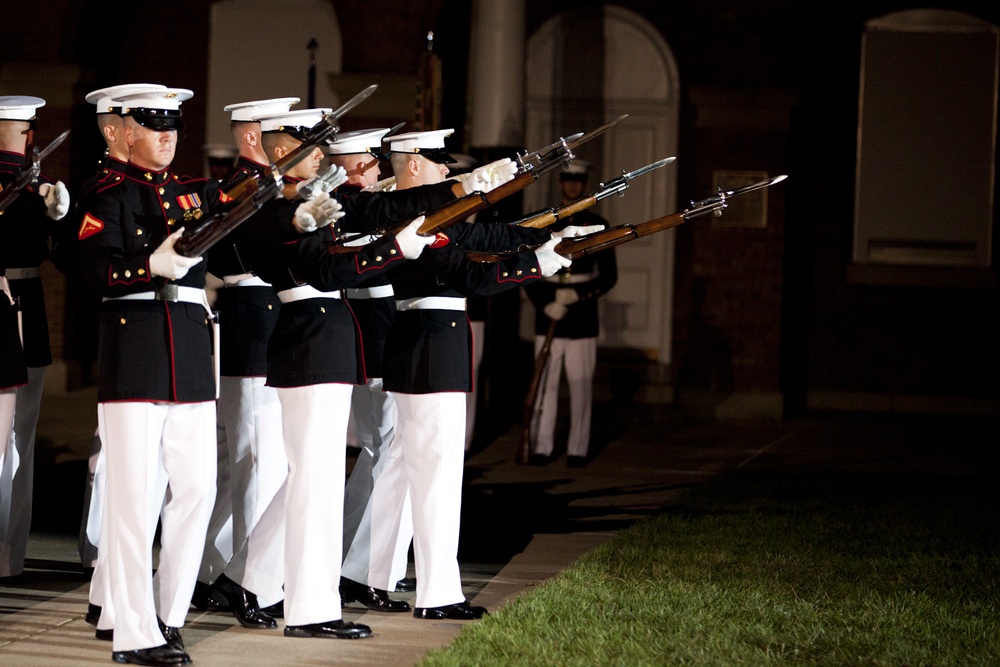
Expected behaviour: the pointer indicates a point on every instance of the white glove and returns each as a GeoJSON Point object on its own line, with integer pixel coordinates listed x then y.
{"type": "Point", "coordinates": [567, 296]}
{"type": "Point", "coordinates": [167, 262]}
{"type": "Point", "coordinates": [56, 198]}
{"type": "Point", "coordinates": [549, 261]}
{"type": "Point", "coordinates": [555, 311]}
{"type": "Point", "coordinates": [489, 176]}
{"type": "Point", "coordinates": [318, 212]}
{"type": "Point", "coordinates": [411, 243]}
{"type": "Point", "coordinates": [576, 230]}
{"type": "Point", "coordinates": [326, 181]}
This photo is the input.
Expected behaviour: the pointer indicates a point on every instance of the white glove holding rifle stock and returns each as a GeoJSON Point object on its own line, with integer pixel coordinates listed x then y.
{"type": "Point", "coordinates": [489, 176]}
{"type": "Point", "coordinates": [167, 262]}
{"type": "Point", "coordinates": [318, 212]}
{"type": "Point", "coordinates": [549, 261]}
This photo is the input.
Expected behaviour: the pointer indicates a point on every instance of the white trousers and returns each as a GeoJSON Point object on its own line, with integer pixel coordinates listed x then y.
{"type": "Point", "coordinates": [253, 451]}
{"type": "Point", "coordinates": [93, 504]}
{"type": "Point", "coordinates": [478, 339]}
{"type": "Point", "coordinates": [314, 422]}
{"type": "Point", "coordinates": [375, 416]}
{"type": "Point", "coordinates": [579, 357]}
{"type": "Point", "coordinates": [427, 456]}
{"type": "Point", "coordinates": [136, 437]}
{"type": "Point", "coordinates": [219, 536]}
{"type": "Point", "coordinates": [8, 399]}
{"type": "Point", "coordinates": [18, 474]}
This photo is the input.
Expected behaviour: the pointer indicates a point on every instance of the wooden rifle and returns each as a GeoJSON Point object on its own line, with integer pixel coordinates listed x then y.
{"type": "Point", "coordinates": [528, 407]}
{"type": "Point", "coordinates": [29, 172]}
{"type": "Point", "coordinates": [617, 186]}
{"type": "Point", "coordinates": [581, 246]}
{"type": "Point", "coordinates": [530, 167]}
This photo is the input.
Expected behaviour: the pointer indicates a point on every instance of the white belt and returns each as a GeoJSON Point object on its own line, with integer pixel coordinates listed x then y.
{"type": "Point", "coordinates": [432, 303]}
{"type": "Point", "coordinates": [244, 280]}
{"type": "Point", "coordinates": [571, 278]}
{"type": "Point", "coordinates": [21, 274]}
{"type": "Point", "coordinates": [305, 292]}
{"type": "Point", "coordinates": [167, 293]}
{"type": "Point", "coordinates": [376, 292]}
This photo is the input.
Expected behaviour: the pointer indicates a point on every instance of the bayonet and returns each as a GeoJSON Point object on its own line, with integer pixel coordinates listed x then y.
{"type": "Point", "coordinates": [29, 172]}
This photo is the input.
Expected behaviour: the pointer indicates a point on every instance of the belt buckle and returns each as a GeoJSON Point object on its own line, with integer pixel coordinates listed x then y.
{"type": "Point", "coordinates": [168, 293]}
{"type": "Point", "coordinates": [565, 278]}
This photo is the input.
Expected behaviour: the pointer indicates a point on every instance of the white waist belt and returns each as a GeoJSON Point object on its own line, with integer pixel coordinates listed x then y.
{"type": "Point", "coordinates": [305, 292]}
{"type": "Point", "coordinates": [244, 280]}
{"type": "Point", "coordinates": [376, 292]}
{"type": "Point", "coordinates": [432, 303]}
{"type": "Point", "coordinates": [166, 293]}
{"type": "Point", "coordinates": [21, 274]}
{"type": "Point", "coordinates": [571, 278]}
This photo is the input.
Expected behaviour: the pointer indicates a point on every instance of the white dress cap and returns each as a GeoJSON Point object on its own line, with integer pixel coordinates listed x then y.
{"type": "Point", "coordinates": [104, 98]}
{"type": "Point", "coordinates": [294, 123]}
{"type": "Point", "coordinates": [430, 144]}
{"type": "Point", "coordinates": [576, 170]}
{"type": "Point", "coordinates": [158, 109]}
{"type": "Point", "coordinates": [358, 141]}
{"type": "Point", "coordinates": [19, 107]}
{"type": "Point", "coordinates": [249, 111]}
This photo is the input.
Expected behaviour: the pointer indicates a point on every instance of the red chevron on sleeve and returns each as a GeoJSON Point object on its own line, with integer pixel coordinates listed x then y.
{"type": "Point", "coordinates": [89, 226]}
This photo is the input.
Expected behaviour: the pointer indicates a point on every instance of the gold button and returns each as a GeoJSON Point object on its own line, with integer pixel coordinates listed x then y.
{"type": "Point", "coordinates": [160, 190]}
{"type": "Point", "coordinates": [166, 204]}
{"type": "Point", "coordinates": [118, 178]}
{"type": "Point", "coordinates": [171, 222]}
{"type": "Point", "coordinates": [518, 272]}
{"type": "Point", "coordinates": [122, 320]}
{"type": "Point", "coordinates": [505, 274]}
{"type": "Point", "coordinates": [534, 270]}
{"type": "Point", "coordinates": [148, 176]}
{"type": "Point", "coordinates": [128, 274]}
{"type": "Point", "coordinates": [138, 232]}
{"type": "Point", "coordinates": [392, 252]}
{"type": "Point", "coordinates": [378, 258]}
{"type": "Point", "coordinates": [270, 307]}
{"type": "Point", "coordinates": [322, 309]}
{"type": "Point", "coordinates": [364, 262]}
{"type": "Point", "coordinates": [114, 275]}
{"type": "Point", "coordinates": [453, 325]}
{"type": "Point", "coordinates": [141, 272]}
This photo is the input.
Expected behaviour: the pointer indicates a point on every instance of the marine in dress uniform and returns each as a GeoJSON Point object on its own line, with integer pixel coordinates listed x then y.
{"type": "Point", "coordinates": [252, 464]}
{"type": "Point", "coordinates": [373, 410]}
{"type": "Point", "coordinates": [26, 227]}
{"type": "Point", "coordinates": [66, 257]}
{"type": "Point", "coordinates": [313, 360]}
{"type": "Point", "coordinates": [427, 367]}
{"type": "Point", "coordinates": [570, 297]}
{"type": "Point", "coordinates": [13, 373]}
{"type": "Point", "coordinates": [157, 382]}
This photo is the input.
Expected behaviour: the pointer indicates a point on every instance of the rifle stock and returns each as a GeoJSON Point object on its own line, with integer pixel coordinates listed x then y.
{"type": "Point", "coordinates": [214, 228]}
{"type": "Point", "coordinates": [581, 246]}
{"type": "Point", "coordinates": [523, 454]}
{"type": "Point", "coordinates": [549, 218]}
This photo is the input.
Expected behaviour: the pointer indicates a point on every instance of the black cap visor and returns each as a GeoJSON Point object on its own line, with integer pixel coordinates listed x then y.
{"type": "Point", "coordinates": [160, 120]}
{"type": "Point", "coordinates": [438, 155]}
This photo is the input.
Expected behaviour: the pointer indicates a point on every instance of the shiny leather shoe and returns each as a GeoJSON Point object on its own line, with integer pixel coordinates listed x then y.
{"type": "Point", "coordinates": [244, 605]}
{"type": "Point", "coordinates": [538, 460]}
{"type": "Point", "coordinates": [93, 614]}
{"type": "Point", "coordinates": [576, 461]}
{"type": "Point", "coordinates": [158, 656]}
{"type": "Point", "coordinates": [276, 610]}
{"type": "Point", "coordinates": [172, 635]}
{"type": "Point", "coordinates": [406, 585]}
{"type": "Point", "coordinates": [374, 598]}
{"type": "Point", "coordinates": [104, 635]}
{"type": "Point", "coordinates": [204, 598]}
{"type": "Point", "coordinates": [462, 611]}
{"type": "Point", "coordinates": [339, 629]}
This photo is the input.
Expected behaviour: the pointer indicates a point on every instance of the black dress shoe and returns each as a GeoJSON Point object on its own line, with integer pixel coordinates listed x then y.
{"type": "Point", "coordinates": [244, 605]}
{"type": "Point", "coordinates": [205, 598]}
{"type": "Point", "coordinates": [462, 611]}
{"type": "Point", "coordinates": [105, 635]}
{"type": "Point", "coordinates": [406, 585]}
{"type": "Point", "coordinates": [576, 461]}
{"type": "Point", "coordinates": [332, 629]}
{"type": "Point", "coordinates": [158, 656]}
{"type": "Point", "coordinates": [93, 614]}
{"type": "Point", "coordinates": [538, 460]}
{"type": "Point", "coordinates": [171, 634]}
{"type": "Point", "coordinates": [276, 610]}
{"type": "Point", "coordinates": [375, 599]}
